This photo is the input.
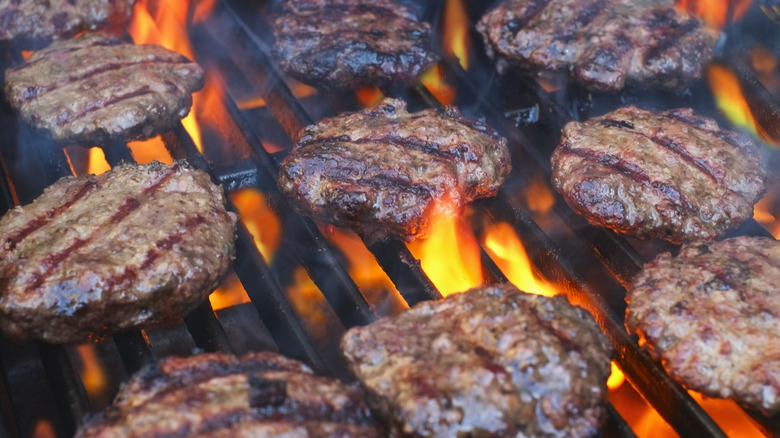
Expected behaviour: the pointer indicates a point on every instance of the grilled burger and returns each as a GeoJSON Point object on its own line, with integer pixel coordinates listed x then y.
{"type": "Point", "coordinates": [381, 171]}
{"type": "Point", "coordinates": [220, 395]}
{"type": "Point", "coordinates": [671, 175]}
{"type": "Point", "coordinates": [492, 361]}
{"type": "Point", "coordinates": [711, 315]}
{"type": "Point", "coordinates": [94, 89]}
{"type": "Point", "coordinates": [98, 254]}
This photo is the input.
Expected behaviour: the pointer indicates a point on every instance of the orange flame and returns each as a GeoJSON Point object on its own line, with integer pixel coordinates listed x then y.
{"type": "Point", "coordinates": [97, 161]}
{"type": "Point", "coordinates": [539, 197]}
{"type": "Point", "coordinates": [259, 219]}
{"type": "Point", "coordinates": [762, 213]}
{"type": "Point", "coordinates": [456, 31]}
{"type": "Point", "coordinates": [450, 255]}
{"type": "Point", "coordinates": [93, 373]}
{"type": "Point", "coordinates": [369, 96]}
{"type": "Point", "coordinates": [716, 13]}
{"type": "Point", "coordinates": [230, 293]}
{"type": "Point", "coordinates": [730, 99]}
{"type": "Point", "coordinates": [616, 377]}
{"type": "Point", "coordinates": [505, 248]}
{"type": "Point", "coordinates": [298, 90]}
{"type": "Point", "coordinates": [153, 149]}
{"type": "Point", "coordinates": [733, 420]}
{"type": "Point", "coordinates": [433, 80]}
{"type": "Point", "coordinates": [165, 24]}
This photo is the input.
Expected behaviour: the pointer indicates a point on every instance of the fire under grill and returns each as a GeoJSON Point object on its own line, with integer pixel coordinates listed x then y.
{"type": "Point", "coordinates": [254, 113]}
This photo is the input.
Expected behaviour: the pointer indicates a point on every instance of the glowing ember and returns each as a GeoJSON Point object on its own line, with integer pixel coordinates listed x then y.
{"type": "Point", "coordinates": [450, 255]}
{"type": "Point", "coordinates": [369, 96]}
{"type": "Point", "coordinates": [93, 373]}
{"type": "Point", "coordinates": [538, 196]}
{"type": "Point", "coordinates": [44, 429]}
{"type": "Point", "coordinates": [456, 31]}
{"type": "Point", "coordinates": [97, 161]}
{"type": "Point", "coordinates": [716, 13]}
{"type": "Point", "coordinates": [434, 82]}
{"type": "Point", "coordinates": [504, 247]}
{"type": "Point", "coordinates": [230, 293]}
{"type": "Point", "coordinates": [616, 378]}
{"type": "Point", "coordinates": [145, 152]}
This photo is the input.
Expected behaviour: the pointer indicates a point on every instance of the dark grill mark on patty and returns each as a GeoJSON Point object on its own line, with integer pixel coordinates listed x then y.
{"type": "Point", "coordinates": [685, 154]}
{"type": "Point", "coordinates": [35, 224]}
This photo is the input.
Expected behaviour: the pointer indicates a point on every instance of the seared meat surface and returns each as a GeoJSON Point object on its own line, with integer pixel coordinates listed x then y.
{"type": "Point", "coordinates": [492, 361]}
{"type": "Point", "coordinates": [98, 254]}
{"type": "Point", "coordinates": [605, 45]}
{"type": "Point", "coordinates": [671, 175]}
{"type": "Point", "coordinates": [348, 43]}
{"type": "Point", "coordinates": [220, 395]}
{"type": "Point", "coordinates": [381, 171]}
{"type": "Point", "coordinates": [32, 23]}
{"type": "Point", "coordinates": [711, 315]}
{"type": "Point", "coordinates": [94, 88]}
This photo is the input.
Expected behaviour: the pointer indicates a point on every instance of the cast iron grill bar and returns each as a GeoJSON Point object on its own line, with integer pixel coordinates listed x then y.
{"type": "Point", "coordinates": [66, 383]}
{"type": "Point", "coordinates": [134, 350]}
{"type": "Point", "coordinates": [252, 270]}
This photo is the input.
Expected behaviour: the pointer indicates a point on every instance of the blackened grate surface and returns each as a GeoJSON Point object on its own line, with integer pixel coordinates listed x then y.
{"type": "Point", "coordinates": [40, 387]}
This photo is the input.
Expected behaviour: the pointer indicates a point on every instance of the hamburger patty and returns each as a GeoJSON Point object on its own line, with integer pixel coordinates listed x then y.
{"type": "Point", "coordinates": [671, 175]}
{"type": "Point", "coordinates": [94, 88]}
{"type": "Point", "coordinates": [347, 43]}
{"type": "Point", "coordinates": [98, 254]}
{"type": "Point", "coordinates": [605, 45]}
{"type": "Point", "coordinates": [381, 171]}
{"type": "Point", "coordinates": [32, 23]}
{"type": "Point", "coordinates": [492, 361]}
{"type": "Point", "coordinates": [220, 395]}
{"type": "Point", "coordinates": [711, 315]}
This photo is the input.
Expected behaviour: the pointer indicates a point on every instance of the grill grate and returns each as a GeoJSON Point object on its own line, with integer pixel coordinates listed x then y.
{"type": "Point", "coordinates": [40, 381]}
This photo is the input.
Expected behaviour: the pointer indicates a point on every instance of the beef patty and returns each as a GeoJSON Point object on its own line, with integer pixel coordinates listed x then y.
{"type": "Point", "coordinates": [347, 43]}
{"type": "Point", "coordinates": [94, 88]}
{"type": "Point", "coordinates": [97, 254]}
{"type": "Point", "coordinates": [711, 315]}
{"type": "Point", "coordinates": [605, 45]}
{"type": "Point", "coordinates": [492, 361]}
{"type": "Point", "coordinates": [381, 171]}
{"type": "Point", "coordinates": [220, 395]}
{"type": "Point", "coordinates": [671, 175]}
{"type": "Point", "coordinates": [32, 23]}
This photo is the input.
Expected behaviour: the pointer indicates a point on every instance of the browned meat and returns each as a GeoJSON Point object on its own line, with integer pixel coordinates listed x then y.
{"type": "Point", "coordinates": [492, 361]}
{"type": "Point", "coordinates": [220, 395]}
{"type": "Point", "coordinates": [381, 171]}
{"type": "Point", "coordinates": [346, 43]}
{"type": "Point", "coordinates": [711, 315]}
{"type": "Point", "coordinates": [671, 175]}
{"type": "Point", "coordinates": [32, 23]}
{"type": "Point", "coordinates": [97, 254]}
{"type": "Point", "coordinates": [605, 45]}
{"type": "Point", "coordinates": [94, 88]}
